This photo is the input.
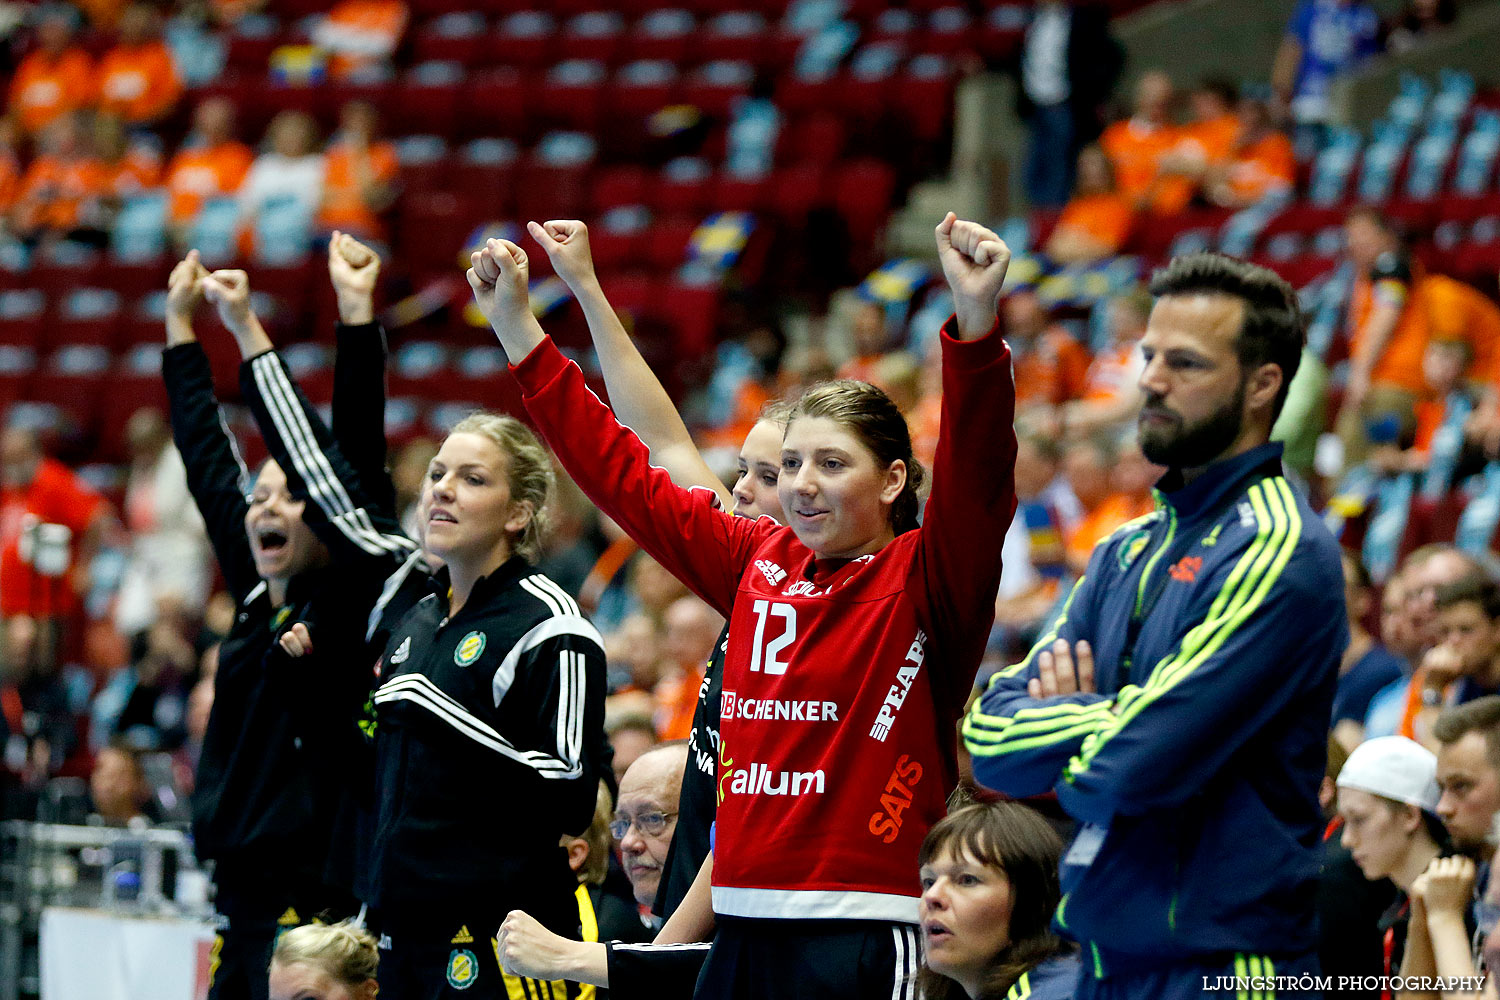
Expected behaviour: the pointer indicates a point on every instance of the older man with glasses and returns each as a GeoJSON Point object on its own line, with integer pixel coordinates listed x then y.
{"type": "Point", "coordinates": [644, 822]}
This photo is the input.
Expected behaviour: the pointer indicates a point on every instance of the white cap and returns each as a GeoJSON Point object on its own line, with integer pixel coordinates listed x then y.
{"type": "Point", "coordinates": [1393, 767]}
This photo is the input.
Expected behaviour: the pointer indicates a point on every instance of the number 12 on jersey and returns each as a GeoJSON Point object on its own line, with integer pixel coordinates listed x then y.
{"type": "Point", "coordinates": [788, 614]}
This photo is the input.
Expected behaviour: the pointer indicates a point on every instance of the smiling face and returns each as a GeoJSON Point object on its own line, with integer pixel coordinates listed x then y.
{"type": "Point", "coordinates": [759, 468]}
{"type": "Point", "coordinates": [1193, 411]}
{"type": "Point", "coordinates": [837, 498]}
{"type": "Point", "coordinates": [280, 542]}
{"type": "Point", "coordinates": [965, 914]}
{"type": "Point", "coordinates": [1378, 832]}
{"type": "Point", "coordinates": [466, 509]}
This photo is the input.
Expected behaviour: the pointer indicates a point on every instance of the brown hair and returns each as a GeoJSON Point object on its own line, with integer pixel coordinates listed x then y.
{"type": "Point", "coordinates": [870, 415]}
{"type": "Point", "coordinates": [1482, 715]}
{"type": "Point", "coordinates": [1013, 838]}
{"type": "Point", "coordinates": [528, 468]}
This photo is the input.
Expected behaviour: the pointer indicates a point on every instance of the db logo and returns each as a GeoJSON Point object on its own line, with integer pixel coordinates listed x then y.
{"type": "Point", "coordinates": [1186, 569]}
{"type": "Point", "coordinates": [726, 704]}
{"type": "Point", "coordinates": [886, 824]}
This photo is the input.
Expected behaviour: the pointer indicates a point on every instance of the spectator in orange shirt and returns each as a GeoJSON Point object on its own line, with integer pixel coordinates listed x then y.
{"type": "Point", "coordinates": [130, 167]}
{"type": "Point", "coordinates": [1206, 143]}
{"type": "Point", "coordinates": [1444, 364]}
{"type": "Point", "coordinates": [137, 80]}
{"type": "Point", "coordinates": [1111, 390]}
{"type": "Point", "coordinates": [1261, 164]}
{"type": "Point", "coordinates": [361, 34]}
{"type": "Point", "coordinates": [62, 191]}
{"type": "Point", "coordinates": [56, 78]}
{"type": "Point", "coordinates": [211, 163]}
{"type": "Point", "coordinates": [1050, 365]}
{"type": "Point", "coordinates": [1096, 220]}
{"type": "Point", "coordinates": [871, 338]}
{"type": "Point", "coordinates": [1130, 477]}
{"type": "Point", "coordinates": [1388, 333]}
{"type": "Point", "coordinates": [1137, 145]}
{"type": "Point", "coordinates": [360, 178]}
{"type": "Point", "coordinates": [51, 524]}
{"type": "Point", "coordinates": [691, 629]}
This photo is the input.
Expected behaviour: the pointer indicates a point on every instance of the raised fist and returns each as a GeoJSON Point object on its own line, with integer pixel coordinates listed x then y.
{"type": "Point", "coordinates": [499, 276]}
{"type": "Point", "coordinates": [567, 244]}
{"type": "Point", "coordinates": [185, 287]}
{"type": "Point", "coordinates": [229, 291]}
{"type": "Point", "coordinates": [974, 261]}
{"type": "Point", "coordinates": [353, 268]}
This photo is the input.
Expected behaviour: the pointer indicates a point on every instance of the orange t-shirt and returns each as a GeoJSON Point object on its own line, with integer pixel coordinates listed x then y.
{"type": "Point", "coordinates": [138, 82]}
{"type": "Point", "coordinates": [1135, 150]}
{"type": "Point", "coordinates": [676, 700]}
{"type": "Point", "coordinates": [1458, 311]}
{"type": "Point", "coordinates": [55, 496]}
{"type": "Point", "coordinates": [53, 192]}
{"type": "Point", "coordinates": [1053, 370]}
{"type": "Point", "coordinates": [10, 180]}
{"type": "Point", "coordinates": [199, 174]}
{"type": "Point", "coordinates": [344, 205]}
{"type": "Point", "coordinates": [45, 89]}
{"type": "Point", "coordinates": [1096, 525]}
{"type": "Point", "coordinates": [383, 19]}
{"type": "Point", "coordinates": [1212, 142]}
{"type": "Point", "coordinates": [138, 170]}
{"type": "Point", "coordinates": [1266, 164]}
{"type": "Point", "coordinates": [1105, 217]}
{"type": "Point", "coordinates": [1392, 283]}
{"type": "Point", "coordinates": [1114, 371]}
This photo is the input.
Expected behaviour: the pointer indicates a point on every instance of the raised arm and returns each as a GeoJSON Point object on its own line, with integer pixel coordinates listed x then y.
{"type": "Point", "coordinates": [635, 393]}
{"type": "Point", "coordinates": [359, 367]}
{"type": "Point", "coordinates": [338, 511]}
{"type": "Point", "coordinates": [702, 546]}
{"type": "Point", "coordinates": [215, 475]}
{"type": "Point", "coordinates": [973, 484]}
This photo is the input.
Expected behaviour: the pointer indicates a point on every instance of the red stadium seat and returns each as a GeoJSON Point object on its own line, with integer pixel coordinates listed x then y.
{"type": "Point", "coordinates": [458, 36]}
{"type": "Point", "coordinates": [595, 34]}
{"type": "Point", "coordinates": [816, 138]}
{"type": "Point", "coordinates": [682, 188]}
{"type": "Point", "coordinates": [862, 192]}
{"type": "Point", "coordinates": [735, 194]}
{"type": "Point", "coordinates": [626, 184]}
{"type": "Point", "coordinates": [526, 39]}
{"type": "Point", "coordinates": [666, 242]}
{"type": "Point", "coordinates": [500, 102]}
{"type": "Point", "coordinates": [86, 316]}
{"type": "Point", "coordinates": [662, 34]}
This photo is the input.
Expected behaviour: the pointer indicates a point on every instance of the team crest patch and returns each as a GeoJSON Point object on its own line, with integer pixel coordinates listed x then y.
{"type": "Point", "coordinates": [463, 969]}
{"type": "Point", "coordinates": [1131, 548]}
{"type": "Point", "coordinates": [469, 649]}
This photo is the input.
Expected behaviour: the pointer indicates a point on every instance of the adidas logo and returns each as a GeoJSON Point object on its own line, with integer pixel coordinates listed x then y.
{"type": "Point", "coordinates": [463, 936]}
{"type": "Point", "coordinates": [402, 652]}
{"type": "Point", "coordinates": [773, 573]}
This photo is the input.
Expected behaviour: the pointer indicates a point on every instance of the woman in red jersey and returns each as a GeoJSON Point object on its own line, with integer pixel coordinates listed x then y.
{"type": "Point", "coordinates": [854, 637]}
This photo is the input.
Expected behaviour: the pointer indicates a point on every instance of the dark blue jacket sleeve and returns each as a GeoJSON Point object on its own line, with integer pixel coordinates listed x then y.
{"type": "Point", "coordinates": [338, 509]}
{"type": "Point", "coordinates": [1267, 633]}
{"type": "Point", "coordinates": [215, 474]}
{"type": "Point", "coordinates": [1019, 745]}
{"type": "Point", "coordinates": [359, 409]}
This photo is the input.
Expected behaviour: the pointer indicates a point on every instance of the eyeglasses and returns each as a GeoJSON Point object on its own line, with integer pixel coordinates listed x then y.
{"type": "Point", "coordinates": [652, 824]}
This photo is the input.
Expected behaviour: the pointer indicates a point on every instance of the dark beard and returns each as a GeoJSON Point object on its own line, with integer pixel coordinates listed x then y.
{"type": "Point", "coordinates": [1184, 447]}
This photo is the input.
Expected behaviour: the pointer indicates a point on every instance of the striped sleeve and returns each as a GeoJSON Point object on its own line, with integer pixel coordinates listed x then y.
{"type": "Point", "coordinates": [316, 470]}
{"type": "Point", "coordinates": [1268, 629]}
{"type": "Point", "coordinates": [1019, 745]}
